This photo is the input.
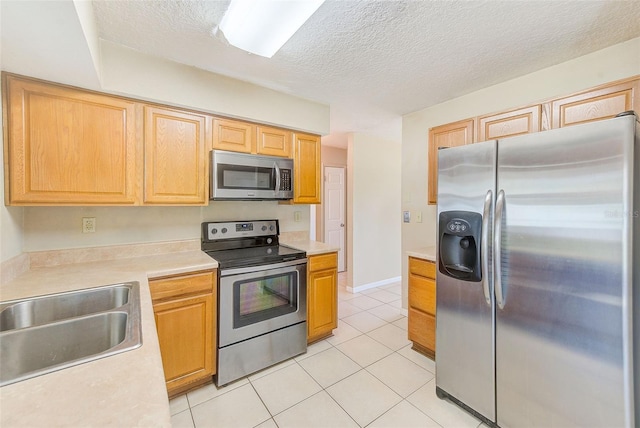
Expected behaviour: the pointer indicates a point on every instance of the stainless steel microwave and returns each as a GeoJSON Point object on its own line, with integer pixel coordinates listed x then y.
{"type": "Point", "coordinates": [243, 176]}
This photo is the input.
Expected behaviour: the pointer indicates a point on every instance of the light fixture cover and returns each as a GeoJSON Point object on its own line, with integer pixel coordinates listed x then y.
{"type": "Point", "coordinates": [262, 27]}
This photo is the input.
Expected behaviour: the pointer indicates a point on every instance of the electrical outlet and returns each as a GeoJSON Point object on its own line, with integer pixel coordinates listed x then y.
{"type": "Point", "coordinates": [296, 216]}
{"type": "Point", "coordinates": [88, 224]}
{"type": "Point", "coordinates": [419, 217]}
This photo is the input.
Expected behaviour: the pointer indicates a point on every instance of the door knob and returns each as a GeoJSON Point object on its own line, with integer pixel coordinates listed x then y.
{"type": "Point", "coordinates": [341, 224]}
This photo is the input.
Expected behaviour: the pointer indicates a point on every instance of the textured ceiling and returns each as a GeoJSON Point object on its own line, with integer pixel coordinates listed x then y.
{"type": "Point", "coordinates": [373, 61]}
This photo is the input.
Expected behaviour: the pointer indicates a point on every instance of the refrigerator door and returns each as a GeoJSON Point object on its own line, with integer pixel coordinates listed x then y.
{"type": "Point", "coordinates": [464, 313]}
{"type": "Point", "coordinates": [563, 279]}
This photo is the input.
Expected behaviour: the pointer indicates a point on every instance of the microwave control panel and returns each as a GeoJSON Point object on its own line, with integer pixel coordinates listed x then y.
{"type": "Point", "coordinates": [285, 179]}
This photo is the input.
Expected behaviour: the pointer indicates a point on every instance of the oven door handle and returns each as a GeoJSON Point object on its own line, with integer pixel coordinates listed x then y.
{"type": "Point", "coordinates": [260, 268]}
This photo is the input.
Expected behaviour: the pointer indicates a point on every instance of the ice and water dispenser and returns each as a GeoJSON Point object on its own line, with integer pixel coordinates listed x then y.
{"type": "Point", "coordinates": [460, 233]}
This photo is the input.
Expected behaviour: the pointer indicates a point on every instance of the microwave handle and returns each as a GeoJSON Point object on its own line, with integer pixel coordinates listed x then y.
{"type": "Point", "coordinates": [277, 189]}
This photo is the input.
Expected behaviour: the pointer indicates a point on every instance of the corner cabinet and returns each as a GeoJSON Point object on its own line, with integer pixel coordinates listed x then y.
{"type": "Point", "coordinates": [308, 174]}
{"type": "Point", "coordinates": [184, 307]}
{"type": "Point", "coordinates": [322, 296]}
{"type": "Point", "coordinates": [450, 135]}
{"type": "Point", "coordinates": [176, 145]}
{"type": "Point", "coordinates": [68, 147]}
{"type": "Point", "coordinates": [422, 305]}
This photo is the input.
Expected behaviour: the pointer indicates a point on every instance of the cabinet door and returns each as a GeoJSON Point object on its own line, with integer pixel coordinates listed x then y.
{"type": "Point", "coordinates": [175, 157]}
{"type": "Point", "coordinates": [233, 135]}
{"type": "Point", "coordinates": [598, 104]}
{"type": "Point", "coordinates": [450, 135]}
{"type": "Point", "coordinates": [273, 141]}
{"type": "Point", "coordinates": [306, 160]}
{"type": "Point", "coordinates": [515, 122]}
{"type": "Point", "coordinates": [185, 332]}
{"type": "Point", "coordinates": [422, 305]}
{"type": "Point", "coordinates": [322, 303]}
{"type": "Point", "coordinates": [69, 147]}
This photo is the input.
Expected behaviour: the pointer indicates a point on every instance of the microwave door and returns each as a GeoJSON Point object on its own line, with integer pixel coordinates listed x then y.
{"type": "Point", "coordinates": [249, 177]}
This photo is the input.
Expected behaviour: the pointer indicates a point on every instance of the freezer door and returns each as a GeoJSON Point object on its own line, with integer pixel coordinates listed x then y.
{"type": "Point", "coordinates": [464, 314]}
{"type": "Point", "coordinates": [563, 280]}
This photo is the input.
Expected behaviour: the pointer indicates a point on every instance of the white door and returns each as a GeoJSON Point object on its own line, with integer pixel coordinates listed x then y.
{"type": "Point", "coordinates": [334, 210]}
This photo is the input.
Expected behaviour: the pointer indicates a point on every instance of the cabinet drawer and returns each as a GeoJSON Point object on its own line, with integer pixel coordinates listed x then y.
{"type": "Point", "coordinates": [181, 285]}
{"type": "Point", "coordinates": [422, 329]}
{"type": "Point", "coordinates": [422, 267]}
{"type": "Point", "coordinates": [422, 294]}
{"type": "Point", "coordinates": [324, 261]}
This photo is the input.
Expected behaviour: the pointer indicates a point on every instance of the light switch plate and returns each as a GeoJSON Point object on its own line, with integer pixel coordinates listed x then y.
{"type": "Point", "coordinates": [419, 217]}
{"type": "Point", "coordinates": [406, 215]}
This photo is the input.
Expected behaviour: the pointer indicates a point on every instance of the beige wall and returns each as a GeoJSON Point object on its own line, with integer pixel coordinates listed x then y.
{"type": "Point", "coordinates": [373, 234]}
{"type": "Point", "coordinates": [11, 221]}
{"type": "Point", "coordinates": [132, 73]}
{"type": "Point", "coordinates": [613, 63]}
{"type": "Point", "coordinates": [331, 156]}
{"type": "Point", "coordinates": [47, 228]}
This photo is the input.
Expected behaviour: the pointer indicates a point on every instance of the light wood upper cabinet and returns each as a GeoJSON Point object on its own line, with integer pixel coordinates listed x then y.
{"type": "Point", "coordinates": [322, 296]}
{"type": "Point", "coordinates": [515, 122]}
{"type": "Point", "coordinates": [273, 141]}
{"type": "Point", "coordinates": [307, 174]}
{"type": "Point", "coordinates": [422, 305]}
{"type": "Point", "coordinates": [233, 135]}
{"type": "Point", "coordinates": [176, 145]}
{"type": "Point", "coordinates": [450, 135]}
{"type": "Point", "coordinates": [185, 314]}
{"type": "Point", "coordinates": [67, 146]}
{"type": "Point", "coordinates": [597, 104]}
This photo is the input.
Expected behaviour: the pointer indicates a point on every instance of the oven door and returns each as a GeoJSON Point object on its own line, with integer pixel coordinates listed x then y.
{"type": "Point", "coordinates": [260, 299]}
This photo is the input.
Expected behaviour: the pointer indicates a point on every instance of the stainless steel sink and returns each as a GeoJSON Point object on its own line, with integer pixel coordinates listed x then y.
{"type": "Point", "coordinates": [61, 306]}
{"type": "Point", "coordinates": [49, 333]}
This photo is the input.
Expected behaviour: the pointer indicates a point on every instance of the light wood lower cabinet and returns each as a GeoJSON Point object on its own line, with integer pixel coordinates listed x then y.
{"type": "Point", "coordinates": [322, 296]}
{"type": "Point", "coordinates": [422, 305]}
{"type": "Point", "coordinates": [184, 307]}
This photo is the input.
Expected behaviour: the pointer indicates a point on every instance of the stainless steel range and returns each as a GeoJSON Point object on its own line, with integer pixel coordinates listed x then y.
{"type": "Point", "coordinates": [262, 296]}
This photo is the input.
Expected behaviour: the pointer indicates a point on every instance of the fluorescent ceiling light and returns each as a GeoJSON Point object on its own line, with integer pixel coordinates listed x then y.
{"type": "Point", "coordinates": [262, 27]}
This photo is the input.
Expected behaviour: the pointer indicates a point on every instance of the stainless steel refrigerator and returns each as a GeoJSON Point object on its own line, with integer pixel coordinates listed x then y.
{"type": "Point", "coordinates": [538, 262]}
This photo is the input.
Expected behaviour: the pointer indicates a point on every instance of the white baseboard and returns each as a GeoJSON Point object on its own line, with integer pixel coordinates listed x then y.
{"type": "Point", "coordinates": [374, 284]}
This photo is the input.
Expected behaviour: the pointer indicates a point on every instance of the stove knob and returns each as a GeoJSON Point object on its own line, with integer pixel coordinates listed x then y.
{"type": "Point", "coordinates": [271, 228]}
{"type": "Point", "coordinates": [269, 240]}
{"type": "Point", "coordinates": [214, 231]}
{"type": "Point", "coordinates": [224, 230]}
{"type": "Point", "coordinates": [264, 228]}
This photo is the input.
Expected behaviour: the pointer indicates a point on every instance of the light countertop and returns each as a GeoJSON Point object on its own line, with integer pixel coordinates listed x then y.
{"type": "Point", "coordinates": [127, 389]}
{"type": "Point", "coordinates": [312, 248]}
{"type": "Point", "coordinates": [426, 253]}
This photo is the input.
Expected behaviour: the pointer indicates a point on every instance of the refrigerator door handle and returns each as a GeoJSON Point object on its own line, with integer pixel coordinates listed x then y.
{"type": "Point", "coordinates": [497, 237]}
{"type": "Point", "coordinates": [484, 251]}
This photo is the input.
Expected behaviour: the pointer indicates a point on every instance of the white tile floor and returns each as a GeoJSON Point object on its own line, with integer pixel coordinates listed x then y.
{"type": "Point", "coordinates": [365, 375]}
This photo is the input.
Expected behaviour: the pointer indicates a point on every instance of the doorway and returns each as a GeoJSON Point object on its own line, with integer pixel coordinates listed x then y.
{"type": "Point", "coordinates": [334, 211]}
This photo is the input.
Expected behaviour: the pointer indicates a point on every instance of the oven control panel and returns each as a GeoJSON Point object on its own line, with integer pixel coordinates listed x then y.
{"type": "Point", "coordinates": [241, 229]}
